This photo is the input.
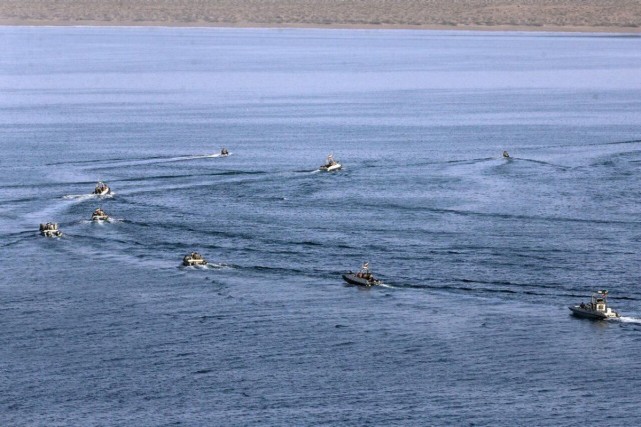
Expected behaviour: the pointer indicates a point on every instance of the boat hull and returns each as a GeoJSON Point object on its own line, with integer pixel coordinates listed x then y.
{"type": "Point", "coordinates": [352, 279]}
{"type": "Point", "coordinates": [99, 218]}
{"type": "Point", "coordinates": [590, 314]}
{"type": "Point", "coordinates": [331, 168]}
{"type": "Point", "coordinates": [195, 262]}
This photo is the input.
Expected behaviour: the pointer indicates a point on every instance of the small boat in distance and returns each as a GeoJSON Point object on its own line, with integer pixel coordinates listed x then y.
{"type": "Point", "coordinates": [99, 215]}
{"type": "Point", "coordinates": [331, 164]}
{"type": "Point", "coordinates": [102, 189]}
{"type": "Point", "coordinates": [50, 229]}
{"type": "Point", "coordinates": [364, 277]}
{"type": "Point", "coordinates": [597, 308]}
{"type": "Point", "coordinates": [194, 258]}
{"type": "Point", "coordinates": [506, 155]}
{"type": "Point", "coordinates": [224, 152]}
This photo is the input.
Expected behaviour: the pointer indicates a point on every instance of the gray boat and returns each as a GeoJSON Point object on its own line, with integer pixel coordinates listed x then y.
{"type": "Point", "coordinates": [331, 164]}
{"type": "Point", "coordinates": [363, 277]}
{"type": "Point", "coordinates": [194, 258]}
{"type": "Point", "coordinates": [102, 189]}
{"type": "Point", "coordinates": [99, 215]}
{"type": "Point", "coordinates": [596, 309]}
{"type": "Point", "coordinates": [50, 229]}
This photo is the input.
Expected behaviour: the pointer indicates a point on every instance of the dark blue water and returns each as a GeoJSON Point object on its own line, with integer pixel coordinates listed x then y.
{"type": "Point", "coordinates": [480, 256]}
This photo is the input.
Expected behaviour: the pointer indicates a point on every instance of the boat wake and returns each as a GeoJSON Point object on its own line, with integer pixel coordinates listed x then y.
{"type": "Point", "coordinates": [87, 196]}
{"type": "Point", "coordinates": [385, 285]}
{"type": "Point", "coordinates": [110, 220]}
{"type": "Point", "coordinates": [212, 156]}
{"type": "Point", "coordinates": [194, 157]}
{"type": "Point", "coordinates": [209, 266]}
{"type": "Point", "coordinates": [219, 266]}
{"type": "Point", "coordinates": [185, 158]}
{"type": "Point", "coordinates": [158, 160]}
{"type": "Point", "coordinates": [540, 162]}
{"type": "Point", "coordinates": [627, 319]}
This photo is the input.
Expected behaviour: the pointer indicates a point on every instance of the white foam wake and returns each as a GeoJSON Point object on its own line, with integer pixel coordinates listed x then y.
{"type": "Point", "coordinates": [87, 196]}
{"type": "Point", "coordinates": [627, 319]}
{"type": "Point", "coordinates": [79, 196]}
{"type": "Point", "coordinates": [198, 156]}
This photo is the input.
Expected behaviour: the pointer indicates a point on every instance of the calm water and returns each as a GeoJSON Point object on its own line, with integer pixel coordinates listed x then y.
{"type": "Point", "coordinates": [480, 256]}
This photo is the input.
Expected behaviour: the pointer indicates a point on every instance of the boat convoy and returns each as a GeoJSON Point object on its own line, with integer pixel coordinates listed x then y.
{"type": "Point", "coordinates": [596, 309]}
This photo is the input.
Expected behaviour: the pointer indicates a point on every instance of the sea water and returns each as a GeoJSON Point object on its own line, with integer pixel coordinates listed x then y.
{"type": "Point", "coordinates": [480, 255]}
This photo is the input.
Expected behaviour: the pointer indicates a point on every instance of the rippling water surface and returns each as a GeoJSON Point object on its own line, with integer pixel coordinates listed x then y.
{"type": "Point", "coordinates": [480, 255]}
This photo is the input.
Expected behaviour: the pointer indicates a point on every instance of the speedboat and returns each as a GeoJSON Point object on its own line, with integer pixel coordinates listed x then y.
{"type": "Point", "coordinates": [331, 164]}
{"type": "Point", "coordinates": [597, 308]}
{"type": "Point", "coordinates": [50, 229]}
{"type": "Point", "coordinates": [506, 155]}
{"type": "Point", "coordinates": [102, 189]}
{"type": "Point", "coordinates": [99, 215]}
{"type": "Point", "coordinates": [224, 152]}
{"type": "Point", "coordinates": [364, 277]}
{"type": "Point", "coordinates": [194, 258]}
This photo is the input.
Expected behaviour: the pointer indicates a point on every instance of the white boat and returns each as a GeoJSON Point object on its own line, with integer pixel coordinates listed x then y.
{"type": "Point", "coordinates": [102, 189]}
{"type": "Point", "coordinates": [506, 155]}
{"type": "Point", "coordinates": [50, 229]}
{"type": "Point", "coordinates": [194, 258]}
{"type": "Point", "coordinates": [597, 308]}
{"type": "Point", "coordinates": [224, 152]}
{"type": "Point", "coordinates": [99, 215]}
{"type": "Point", "coordinates": [364, 277]}
{"type": "Point", "coordinates": [331, 164]}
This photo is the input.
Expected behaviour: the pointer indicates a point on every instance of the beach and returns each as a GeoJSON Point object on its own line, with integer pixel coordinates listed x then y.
{"type": "Point", "coordinates": [618, 16]}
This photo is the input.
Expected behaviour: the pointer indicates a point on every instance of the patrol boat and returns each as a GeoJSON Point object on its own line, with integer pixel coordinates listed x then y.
{"type": "Point", "coordinates": [194, 258]}
{"type": "Point", "coordinates": [102, 189]}
{"type": "Point", "coordinates": [99, 215]}
{"type": "Point", "coordinates": [50, 229]}
{"type": "Point", "coordinates": [597, 308]}
{"type": "Point", "coordinates": [331, 164]}
{"type": "Point", "coordinates": [364, 277]}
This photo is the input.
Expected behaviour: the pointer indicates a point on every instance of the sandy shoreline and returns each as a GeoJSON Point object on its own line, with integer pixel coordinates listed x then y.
{"type": "Point", "coordinates": [507, 28]}
{"type": "Point", "coordinates": [613, 16]}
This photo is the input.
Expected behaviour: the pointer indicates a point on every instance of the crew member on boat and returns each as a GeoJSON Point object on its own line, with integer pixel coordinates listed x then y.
{"type": "Point", "coordinates": [364, 273]}
{"type": "Point", "coordinates": [330, 161]}
{"type": "Point", "coordinates": [101, 188]}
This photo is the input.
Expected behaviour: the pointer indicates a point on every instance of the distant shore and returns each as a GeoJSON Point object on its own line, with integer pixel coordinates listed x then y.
{"type": "Point", "coordinates": [614, 16]}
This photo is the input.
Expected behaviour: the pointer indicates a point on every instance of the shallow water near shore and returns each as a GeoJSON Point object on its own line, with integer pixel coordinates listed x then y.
{"type": "Point", "coordinates": [480, 255]}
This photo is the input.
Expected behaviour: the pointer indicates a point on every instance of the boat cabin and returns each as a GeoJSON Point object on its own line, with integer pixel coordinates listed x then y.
{"type": "Point", "coordinates": [600, 300]}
